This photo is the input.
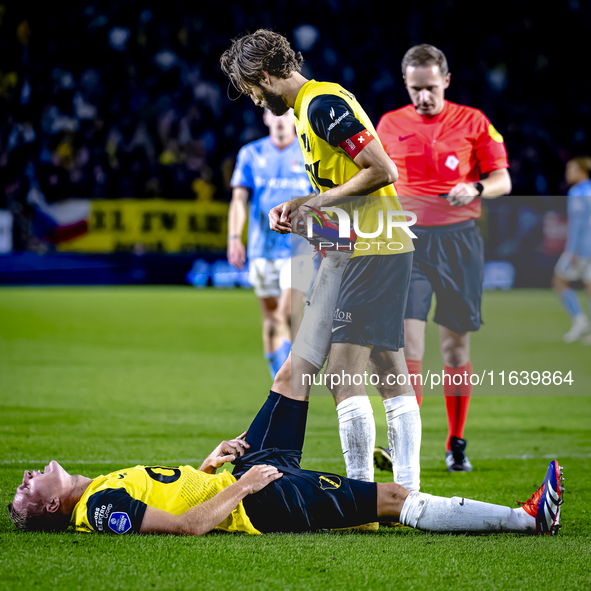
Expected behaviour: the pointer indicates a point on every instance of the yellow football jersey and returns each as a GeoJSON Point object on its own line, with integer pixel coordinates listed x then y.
{"type": "Point", "coordinates": [116, 503]}
{"type": "Point", "coordinates": [332, 129]}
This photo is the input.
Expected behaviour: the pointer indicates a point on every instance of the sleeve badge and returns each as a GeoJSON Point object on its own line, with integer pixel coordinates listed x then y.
{"type": "Point", "coordinates": [495, 135]}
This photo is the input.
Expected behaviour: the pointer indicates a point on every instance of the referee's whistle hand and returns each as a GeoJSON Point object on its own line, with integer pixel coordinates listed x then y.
{"type": "Point", "coordinates": [462, 194]}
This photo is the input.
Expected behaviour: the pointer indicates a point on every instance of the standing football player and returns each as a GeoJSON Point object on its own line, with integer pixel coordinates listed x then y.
{"type": "Point", "coordinates": [575, 262]}
{"type": "Point", "coordinates": [349, 169]}
{"type": "Point", "coordinates": [269, 171]}
{"type": "Point", "coordinates": [450, 157]}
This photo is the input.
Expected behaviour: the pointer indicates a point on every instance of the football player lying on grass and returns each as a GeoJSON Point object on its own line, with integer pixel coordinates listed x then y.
{"type": "Point", "coordinates": [267, 492]}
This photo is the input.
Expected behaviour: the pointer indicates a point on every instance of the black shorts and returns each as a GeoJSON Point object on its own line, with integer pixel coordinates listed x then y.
{"type": "Point", "coordinates": [301, 500]}
{"type": "Point", "coordinates": [372, 299]}
{"type": "Point", "coordinates": [448, 260]}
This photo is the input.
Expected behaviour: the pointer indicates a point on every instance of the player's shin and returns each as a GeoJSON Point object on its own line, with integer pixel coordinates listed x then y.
{"type": "Point", "coordinates": [439, 514]}
{"type": "Point", "coordinates": [415, 370]}
{"type": "Point", "coordinates": [357, 430]}
{"type": "Point", "coordinates": [570, 302]}
{"type": "Point", "coordinates": [457, 390]}
{"type": "Point", "coordinates": [404, 438]}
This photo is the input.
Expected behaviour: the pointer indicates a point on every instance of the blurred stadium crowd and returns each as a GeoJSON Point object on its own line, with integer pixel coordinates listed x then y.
{"type": "Point", "coordinates": [126, 99]}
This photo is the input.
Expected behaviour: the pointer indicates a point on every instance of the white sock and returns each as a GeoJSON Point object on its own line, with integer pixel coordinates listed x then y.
{"type": "Point", "coordinates": [404, 438]}
{"type": "Point", "coordinates": [439, 514]}
{"type": "Point", "coordinates": [357, 429]}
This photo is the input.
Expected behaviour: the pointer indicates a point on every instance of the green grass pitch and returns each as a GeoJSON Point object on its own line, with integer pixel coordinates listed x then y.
{"type": "Point", "coordinates": [104, 378]}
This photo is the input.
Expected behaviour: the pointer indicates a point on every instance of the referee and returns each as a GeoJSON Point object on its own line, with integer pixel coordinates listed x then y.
{"type": "Point", "coordinates": [449, 157]}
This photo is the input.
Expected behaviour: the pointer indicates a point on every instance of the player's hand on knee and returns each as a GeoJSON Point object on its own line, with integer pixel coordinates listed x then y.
{"type": "Point", "coordinates": [258, 477]}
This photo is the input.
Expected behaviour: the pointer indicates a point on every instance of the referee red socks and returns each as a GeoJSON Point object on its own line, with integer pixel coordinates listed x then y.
{"type": "Point", "coordinates": [415, 366]}
{"type": "Point", "coordinates": [457, 400]}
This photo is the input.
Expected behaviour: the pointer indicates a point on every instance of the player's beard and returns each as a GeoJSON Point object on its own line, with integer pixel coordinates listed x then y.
{"type": "Point", "coordinates": [275, 104]}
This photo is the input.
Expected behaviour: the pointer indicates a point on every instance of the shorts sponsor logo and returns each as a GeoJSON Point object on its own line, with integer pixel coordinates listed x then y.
{"type": "Point", "coordinates": [119, 522]}
{"type": "Point", "coordinates": [342, 316]}
{"type": "Point", "coordinates": [329, 482]}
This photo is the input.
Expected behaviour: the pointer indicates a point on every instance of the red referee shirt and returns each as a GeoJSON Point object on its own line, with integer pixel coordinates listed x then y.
{"type": "Point", "coordinates": [435, 153]}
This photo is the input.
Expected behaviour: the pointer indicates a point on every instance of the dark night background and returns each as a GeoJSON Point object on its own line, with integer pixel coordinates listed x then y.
{"type": "Point", "coordinates": [126, 99]}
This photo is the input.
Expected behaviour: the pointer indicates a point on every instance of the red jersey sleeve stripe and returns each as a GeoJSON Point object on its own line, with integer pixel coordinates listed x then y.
{"type": "Point", "coordinates": [354, 144]}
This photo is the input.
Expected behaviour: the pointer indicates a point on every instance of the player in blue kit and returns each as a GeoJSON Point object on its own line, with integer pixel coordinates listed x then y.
{"type": "Point", "coordinates": [575, 262]}
{"type": "Point", "coordinates": [270, 171]}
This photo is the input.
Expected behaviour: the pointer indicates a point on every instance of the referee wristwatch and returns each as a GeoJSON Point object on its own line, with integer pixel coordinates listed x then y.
{"type": "Point", "coordinates": [479, 187]}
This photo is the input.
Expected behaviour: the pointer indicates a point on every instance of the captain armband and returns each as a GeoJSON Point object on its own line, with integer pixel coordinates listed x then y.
{"type": "Point", "coordinates": [356, 143]}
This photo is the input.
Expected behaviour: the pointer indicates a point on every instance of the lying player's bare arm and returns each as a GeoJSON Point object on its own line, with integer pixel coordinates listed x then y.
{"type": "Point", "coordinates": [203, 518]}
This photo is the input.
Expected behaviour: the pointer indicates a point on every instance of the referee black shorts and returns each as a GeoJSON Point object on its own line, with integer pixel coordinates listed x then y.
{"type": "Point", "coordinates": [448, 261]}
{"type": "Point", "coordinates": [301, 500]}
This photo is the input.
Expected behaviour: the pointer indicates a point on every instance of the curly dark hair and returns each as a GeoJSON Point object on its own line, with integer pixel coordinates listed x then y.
{"type": "Point", "coordinates": [254, 53]}
{"type": "Point", "coordinates": [425, 55]}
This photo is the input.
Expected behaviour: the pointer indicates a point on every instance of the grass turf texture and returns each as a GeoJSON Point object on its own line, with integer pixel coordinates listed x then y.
{"type": "Point", "coordinates": [101, 379]}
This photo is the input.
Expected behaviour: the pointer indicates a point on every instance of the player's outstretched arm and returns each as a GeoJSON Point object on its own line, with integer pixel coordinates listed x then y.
{"type": "Point", "coordinates": [203, 518]}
